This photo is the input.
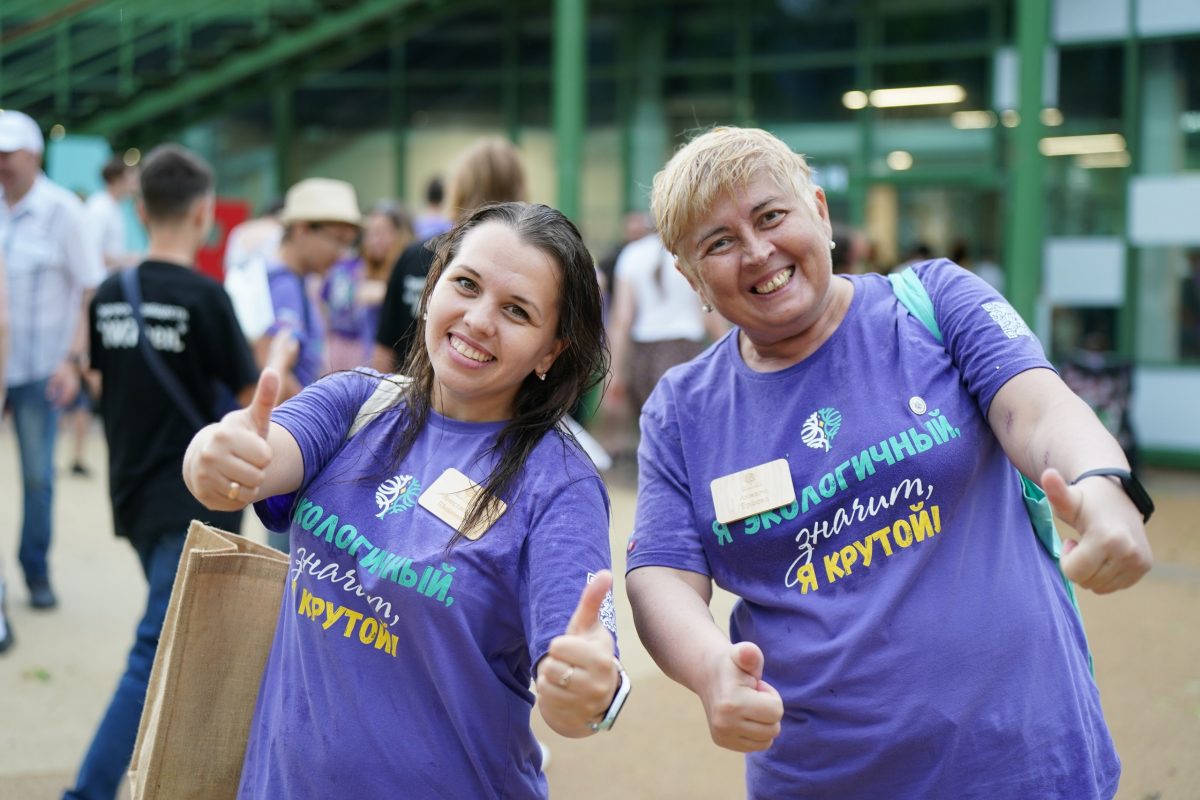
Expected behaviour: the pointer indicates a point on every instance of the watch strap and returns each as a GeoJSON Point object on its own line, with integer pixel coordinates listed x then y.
{"type": "Point", "coordinates": [618, 701]}
{"type": "Point", "coordinates": [1129, 483]}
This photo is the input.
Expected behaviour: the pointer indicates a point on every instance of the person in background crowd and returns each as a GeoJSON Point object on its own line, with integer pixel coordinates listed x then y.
{"type": "Point", "coordinates": [635, 225]}
{"type": "Point", "coordinates": [354, 288]}
{"type": "Point", "coordinates": [321, 222]}
{"type": "Point", "coordinates": [53, 267]}
{"type": "Point", "coordinates": [850, 250]}
{"type": "Point", "coordinates": [6, 634]}
{"type": "Point", "coordinates": [106, 217]}
{"type": "Point", "coordinates": [853, 478]}
{"type": "Point", "coordinates": [656, 321]}
{"type": "Point", "coordinates": [249, 248]}
{"type": "Point", "coordinates": [490, 171]}
{"type": "Point", "coordinates": [488, 499]}
{"type": "Point", "coordinates": [198, 340]}
{"type": "Point", "coordinates": [433, 220]}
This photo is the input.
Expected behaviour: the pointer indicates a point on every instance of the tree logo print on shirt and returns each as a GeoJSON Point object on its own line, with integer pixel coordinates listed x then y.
{"type": "Point", "coordinates": [608, 611]}
{"type": "Point", "coordinates": [820, 428]}
{"type": "Point", "coordinates": [396, 494]}
{"type": "Point", "coordinates": [1008, 319]}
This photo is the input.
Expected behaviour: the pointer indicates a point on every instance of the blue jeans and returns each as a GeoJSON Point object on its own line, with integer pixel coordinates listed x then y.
{"type": "Point", "coordinates": [108, 758]}
{"type": "Point", "coordinates": [36, 422]}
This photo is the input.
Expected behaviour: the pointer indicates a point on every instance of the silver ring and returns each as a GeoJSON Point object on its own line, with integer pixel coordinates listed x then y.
{"type": "Point", "coordinates": [566, 677]}
{"type": "Point", "coordinates": [234, 488]}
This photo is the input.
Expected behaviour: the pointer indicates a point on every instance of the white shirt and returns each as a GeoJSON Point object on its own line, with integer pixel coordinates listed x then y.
{"type": "Point", "coordinates": [51, 259]}
{"type": "Point", "coordinates": [107, 222]}
{"type": "Point", "coordinates": [667, 308]}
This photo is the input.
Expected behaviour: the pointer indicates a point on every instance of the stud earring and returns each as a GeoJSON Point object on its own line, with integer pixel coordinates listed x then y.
{"type": "Point", "coordinates": [424, 316]}
{"type": "Point", "coordinates": [540, 375]}
{"type": "Point", "coordinates": [706, 308]}
{"type": "Point", "coordinates": [832, 244]}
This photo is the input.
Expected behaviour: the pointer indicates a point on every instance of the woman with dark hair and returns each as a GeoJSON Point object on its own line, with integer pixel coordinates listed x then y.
{"type": "Point", "coordinates": [450, 539]}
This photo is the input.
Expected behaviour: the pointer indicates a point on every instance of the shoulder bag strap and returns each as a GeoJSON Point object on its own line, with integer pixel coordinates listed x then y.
{"type": "Point", "coordinates": [167, 379]}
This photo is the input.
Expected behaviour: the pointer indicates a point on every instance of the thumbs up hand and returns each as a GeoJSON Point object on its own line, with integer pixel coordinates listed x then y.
{"type": "Point", "coordinates": [226, 462]}
{"type": "Point", "coordinates": [578, 678]}
{"type": "Point", "coordinates": [1112, 551]}
{"type": "Point", "coordinates": [744, 711]}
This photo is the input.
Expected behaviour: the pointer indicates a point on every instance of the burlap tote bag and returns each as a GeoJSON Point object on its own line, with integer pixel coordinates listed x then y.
{"type": "Point", "coordinates": [203, 687]}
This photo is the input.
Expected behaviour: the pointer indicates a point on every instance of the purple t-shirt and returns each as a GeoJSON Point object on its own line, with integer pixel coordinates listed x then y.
{"type": "Point", "coordinates": [398, 668]}
{"type": "Point", "coordinates": [294, 312]}
{"type": "Point", "coordinates": [338, 290]}
{"type": "Point", "coordinates": [921, 638]}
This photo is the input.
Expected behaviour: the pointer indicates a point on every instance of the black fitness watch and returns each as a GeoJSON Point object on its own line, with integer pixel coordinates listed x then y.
{"type": "Point", "coordinates": [1129, 482]}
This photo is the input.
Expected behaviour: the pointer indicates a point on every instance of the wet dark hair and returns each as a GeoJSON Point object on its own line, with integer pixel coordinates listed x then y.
{"type": "Point", "coordinates": [173, 178]}
{"type": "Point", "coordinates": [540, 405]}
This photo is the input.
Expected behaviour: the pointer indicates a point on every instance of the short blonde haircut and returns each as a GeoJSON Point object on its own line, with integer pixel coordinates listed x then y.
{"type": "Point", "coordinates": [490, 171]}
{"type": "Point", "coordinates": [717, 163]}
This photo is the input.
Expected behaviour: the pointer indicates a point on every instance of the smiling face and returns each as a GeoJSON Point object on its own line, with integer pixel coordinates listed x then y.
{"type": "Point", "coordinates": [760, 255]}
{"type": "Point", "coordinates": [493, 322]}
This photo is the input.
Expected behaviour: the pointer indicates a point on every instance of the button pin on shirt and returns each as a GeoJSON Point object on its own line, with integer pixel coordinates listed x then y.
{"type": "Point", "coordinates": [916, 405]}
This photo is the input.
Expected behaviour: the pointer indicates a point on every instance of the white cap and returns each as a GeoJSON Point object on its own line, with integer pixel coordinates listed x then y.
{"type": "Point", "coordinates": [18, 131]}
{"type": "Point", "coordinates": [320, 200]}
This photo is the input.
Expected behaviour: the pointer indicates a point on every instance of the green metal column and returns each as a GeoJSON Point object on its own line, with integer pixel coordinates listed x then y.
{"type": "Point", "coordinates": [1026, 198]}
{"type": "Point", "coordinates": [398, 113]}
{"type": "Point", "coordinates": [283, 122]}
{"type": "Point", "coordinates": [626, 96]}
{"type": "Point", "coordinates": [510, 88]}
{"type": "Point", "coordinates": [649, 138]}
{"type": "Point", "coordinates": [62, 80]}
{"type": "Point", "coordinates": [869, 34]}
{"type": "Point", "coordinates": [743, 47]}
{"type": "Point", "coordinates": [1131, 121]}
{"type": "Point", "coordinates": [570, 99]}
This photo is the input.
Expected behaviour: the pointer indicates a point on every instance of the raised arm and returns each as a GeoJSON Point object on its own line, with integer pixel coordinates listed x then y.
{"type": "Point", "coordinates": [577, 679]}
{"type": "Point", "coordinates": [670, 609]}
{"type": "Point", "coordinates": [1052, 437]}
{"type": "Point", "coordinates": [244, 457]}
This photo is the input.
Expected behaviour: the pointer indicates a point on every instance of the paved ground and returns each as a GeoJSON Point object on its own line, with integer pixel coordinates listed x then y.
{"type": "Point", "coordinates": [56, 682]}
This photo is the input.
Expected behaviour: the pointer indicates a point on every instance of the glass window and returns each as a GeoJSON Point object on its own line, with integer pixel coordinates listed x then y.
{"type": "Point", "coordinates": [972, 74]}
{"type": "Point", "coordinates": [1083, 200]}
{"type": "Point", "coordinates": [696, 102]}
{"type": "Point", "coordinates": [792, 27]}
{"type": "Point", "coordinates": [937, 27]}
{"type": "Point", "coordinates": [813, 95]}
{"type": "Point", "coordinates": [700, 32]}
{"type": "Point", "coordinates": [1090, 84]}
{"type": "Point", "coordinates": [1168, 327]}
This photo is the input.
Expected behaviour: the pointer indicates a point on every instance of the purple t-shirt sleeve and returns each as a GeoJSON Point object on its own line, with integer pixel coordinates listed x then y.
{"type": "Point", "coordinates": [319, 418]}
{"type": "Point", "coordinates": [985, 336]}
{"type": "Point", "coordinates": [666, 533]}
{"type": "Point", "coordinates": [567, 544]}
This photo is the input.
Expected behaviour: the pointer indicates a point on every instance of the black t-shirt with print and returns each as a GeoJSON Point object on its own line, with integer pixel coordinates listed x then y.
{"type": "Point", "coordinates": [398, 314]}
{"type": "Point", "coordinates": [193, 328]}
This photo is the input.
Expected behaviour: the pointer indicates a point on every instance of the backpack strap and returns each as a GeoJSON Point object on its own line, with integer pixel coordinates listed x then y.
{"type": "Point", "coordinates": [912, 295]}
{"type": "Point", "coordinates": [386, 395]}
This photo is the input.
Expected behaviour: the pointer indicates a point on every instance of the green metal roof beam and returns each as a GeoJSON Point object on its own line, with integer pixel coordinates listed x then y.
{"type": "Point", "coordinates": [237, 68]}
